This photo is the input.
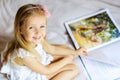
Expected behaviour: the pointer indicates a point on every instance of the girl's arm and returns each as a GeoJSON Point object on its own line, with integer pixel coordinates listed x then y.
{"type": "Point", "coordinates": [36, 66]}
{"type": "Point", "coordinates": [62, 50]}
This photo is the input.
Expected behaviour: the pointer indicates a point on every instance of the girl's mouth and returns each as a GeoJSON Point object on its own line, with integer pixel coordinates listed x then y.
{"type": "Point", "coordinates": [36, 38]}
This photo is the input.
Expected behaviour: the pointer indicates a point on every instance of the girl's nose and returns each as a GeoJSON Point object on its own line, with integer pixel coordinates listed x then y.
{"type": "Point", "coordinates": [37, 31]}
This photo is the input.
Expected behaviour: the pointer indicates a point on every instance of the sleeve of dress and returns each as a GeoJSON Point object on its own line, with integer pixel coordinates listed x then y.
{"type": "Point", "coordinates": [22, 53]}
{"type": "Point", "coordinates": [49, 58]}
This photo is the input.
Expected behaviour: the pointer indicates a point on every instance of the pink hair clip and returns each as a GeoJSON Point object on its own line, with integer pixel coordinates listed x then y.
{"type": "Point", "coordinates": [47, 13]}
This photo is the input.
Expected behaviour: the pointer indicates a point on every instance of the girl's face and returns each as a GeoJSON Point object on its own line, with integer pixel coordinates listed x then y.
{"type": "Point", "coordinates": [34, 30]}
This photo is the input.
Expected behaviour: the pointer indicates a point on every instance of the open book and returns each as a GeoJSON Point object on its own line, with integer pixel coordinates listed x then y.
{"type": "Point", "coordinates": [94, 32]}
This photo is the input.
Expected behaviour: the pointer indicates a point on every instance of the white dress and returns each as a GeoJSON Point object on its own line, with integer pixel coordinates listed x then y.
{"type": "Point", "coordinates": [18, 72]}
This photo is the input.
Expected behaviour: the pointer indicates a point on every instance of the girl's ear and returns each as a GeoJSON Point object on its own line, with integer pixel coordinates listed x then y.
{"type": "Point", "coordinates": [45, 37]}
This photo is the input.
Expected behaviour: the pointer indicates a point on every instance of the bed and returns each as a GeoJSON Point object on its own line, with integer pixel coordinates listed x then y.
{"type": "Point", "coordinates": [61, 11]}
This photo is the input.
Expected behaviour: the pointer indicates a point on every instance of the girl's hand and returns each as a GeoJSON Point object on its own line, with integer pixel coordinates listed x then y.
{"type": "Point", "coordinates": [81, 51]}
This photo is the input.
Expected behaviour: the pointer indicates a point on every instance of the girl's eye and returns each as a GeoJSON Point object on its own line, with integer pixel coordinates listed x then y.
{"type": "Point", "coordinates": [42, 26]}
{"type": "Point", "coordinates": [30, 27]}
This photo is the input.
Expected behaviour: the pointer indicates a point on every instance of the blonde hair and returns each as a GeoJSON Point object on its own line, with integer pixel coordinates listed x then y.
{"type": "Point", "coordinates": [21, 19]}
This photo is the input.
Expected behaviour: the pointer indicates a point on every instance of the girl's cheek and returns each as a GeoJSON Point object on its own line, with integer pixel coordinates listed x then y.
{"type": "Point", "coordinates": [44, 34]}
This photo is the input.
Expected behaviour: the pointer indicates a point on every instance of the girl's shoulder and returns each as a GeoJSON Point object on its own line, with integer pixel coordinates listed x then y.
{"type": "Point", "coordinates": [22, 53]}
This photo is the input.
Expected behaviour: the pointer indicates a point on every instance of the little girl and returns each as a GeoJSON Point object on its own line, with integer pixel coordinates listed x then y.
{"type": "Point", "coordinates": [29, 56]}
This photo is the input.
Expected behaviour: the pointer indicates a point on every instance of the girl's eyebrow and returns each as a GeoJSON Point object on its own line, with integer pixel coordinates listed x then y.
{"type": "Point", "coordinates": [35, 24]}
{"type": "Point", "coordinates": [31, 24]}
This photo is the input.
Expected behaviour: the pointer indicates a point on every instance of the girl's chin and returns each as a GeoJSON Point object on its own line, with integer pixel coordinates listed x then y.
{"type": "Point", "coordinates": [37, 42]}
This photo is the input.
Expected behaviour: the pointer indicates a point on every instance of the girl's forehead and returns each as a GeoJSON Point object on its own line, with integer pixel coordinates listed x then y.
{"type": "Point", "coordinates": [35, 19]}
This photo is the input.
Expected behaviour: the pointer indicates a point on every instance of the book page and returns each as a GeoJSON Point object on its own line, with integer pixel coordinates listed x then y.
{"type": "Point", "coordinates": [102, 58]}
{"type": "Point", "coordinates": [108, 54]}
{"type": "Point", "coordinates": [103, 64]}
{"type": "Point", "coordinates": [101, 71]}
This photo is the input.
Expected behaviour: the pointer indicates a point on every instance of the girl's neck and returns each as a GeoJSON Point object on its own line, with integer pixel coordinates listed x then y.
{"type": "Point", "coordinates": [33, 45]}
